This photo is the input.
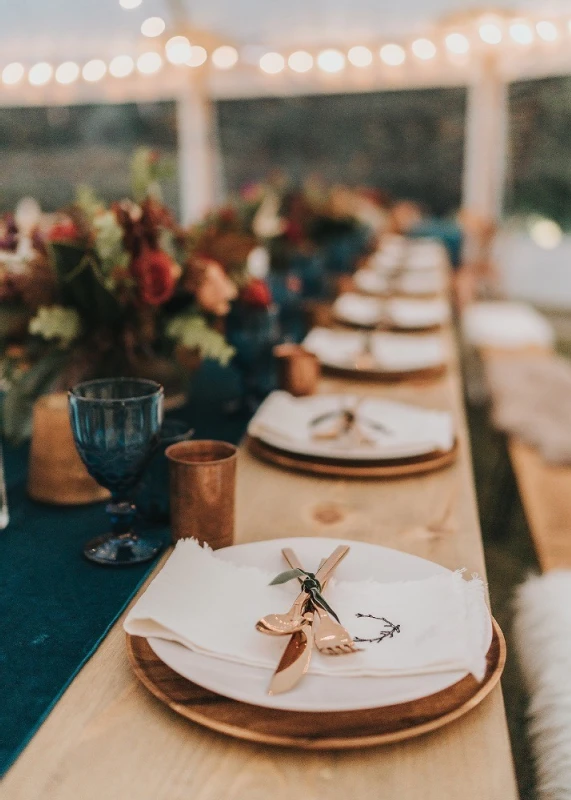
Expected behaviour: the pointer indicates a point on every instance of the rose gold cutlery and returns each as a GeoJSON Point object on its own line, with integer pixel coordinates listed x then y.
{"type": "Point", "coordinates": [330, 637]}
{"type": "Point", "coordinates": [283, 624]}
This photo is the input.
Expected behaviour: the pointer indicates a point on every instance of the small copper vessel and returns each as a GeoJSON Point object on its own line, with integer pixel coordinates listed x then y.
{"type": "Point", "coordinates": [203, 491]}
{"type": "Point", "coordinates": [298, 369]}
{"type": "Point", "coordinates": [56, 473]}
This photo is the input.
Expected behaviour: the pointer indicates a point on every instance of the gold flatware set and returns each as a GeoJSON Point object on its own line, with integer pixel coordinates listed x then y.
{"type": "Point", "coordinates": [310, 622]}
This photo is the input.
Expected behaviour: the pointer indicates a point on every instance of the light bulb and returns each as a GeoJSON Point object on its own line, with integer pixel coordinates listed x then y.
{"type": "Point", "coordinates": [457, 43]}
{"type": "Point", "coordinates": [153, 26]}
{"type": "Point", "coordinates": [13, 73]}
{"type": "Point", "coordinates": [272, 63]}
{"type": "Point", "coordinates": [545, 233]}
{"type": "Point", "coordinates": [300, 61]}
{"type": "Point", "coordinates": [178, 50]}
{"type": "Point", "coordinates": [198, 56]}
{"type": "Point", "coordinates": [331, 60]}
{"type": "Point", "coordinates": [546, 31]}
{"type": "Point", "coordinates": [225, 57]}
{"type": "Point", "coordinates": [68, 72]}
{"type": "Point", "coordinates": [392, 54]}
{"type": "Point", "coordinates": [521, 32]}
{"type": "Point", "coordinates": [40, 73]}
{"type": "Point", "coordinates": [121, 66]}
{"type": "Point", "coordinates": [149, 63]}
{"type": "Point", "coordinates": [490, 33]}
{"type": "Point", "coordinates": [424, 49]}
{"type": "Point", "coordinates": [360, 56]}
{"type": "Point", "coordinates": [94, 70]}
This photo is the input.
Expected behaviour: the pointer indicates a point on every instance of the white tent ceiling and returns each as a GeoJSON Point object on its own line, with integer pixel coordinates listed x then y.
{"type": "Point", "coordinates": [58, 29]}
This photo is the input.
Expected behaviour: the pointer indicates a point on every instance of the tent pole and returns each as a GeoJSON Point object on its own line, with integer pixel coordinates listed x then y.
{"type": "Point", "coordinates": [485, 149]}
{"type": "Point", "coordinates": [197, 159]}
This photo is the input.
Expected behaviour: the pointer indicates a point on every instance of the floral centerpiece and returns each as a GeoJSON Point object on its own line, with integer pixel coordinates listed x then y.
{"type": "Point", "coordinates": [109, 290]}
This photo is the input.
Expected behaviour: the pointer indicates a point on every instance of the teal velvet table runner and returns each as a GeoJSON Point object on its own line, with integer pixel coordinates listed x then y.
{"type": "Point", "coordinates": [55, 606]}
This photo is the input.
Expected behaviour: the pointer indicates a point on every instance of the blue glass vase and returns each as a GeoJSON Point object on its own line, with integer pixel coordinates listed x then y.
{"type": "Point", "coordinates": [116, 425]}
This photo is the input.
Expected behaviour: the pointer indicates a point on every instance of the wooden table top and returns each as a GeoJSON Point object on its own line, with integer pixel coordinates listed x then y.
{"type": "Point", "coordinates": [109, 738]}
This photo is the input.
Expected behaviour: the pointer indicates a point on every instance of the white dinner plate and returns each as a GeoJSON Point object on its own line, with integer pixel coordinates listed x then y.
{"type": "Point", "coordinates": [388, 448]}
{"type": "Point", "coordinates": [403, 313]}
{"type": "Point", "coordinates": [317, 692]}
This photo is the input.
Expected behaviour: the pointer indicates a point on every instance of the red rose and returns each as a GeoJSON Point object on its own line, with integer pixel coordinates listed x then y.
{"type": "Point", "coordinates": [155, 273]}
{"type": "Point", "coordinates": [63, 231]}
{"type": "Point", "coordinates": [257, 294]}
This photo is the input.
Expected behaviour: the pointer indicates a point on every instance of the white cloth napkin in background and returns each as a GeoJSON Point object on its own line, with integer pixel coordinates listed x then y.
{"type": "Point", "coordinates": [418, 313]}
{"type": "Point", "coordinates": [390, 351]}
{"type": "Point", "coordinates": [402, 427]}
{"type": "Point", "coordinates": [211, 606]}
{"type": "Point", "coordinates": [506, 324]}
{"type": "Point", "coordinates": [357, 309]}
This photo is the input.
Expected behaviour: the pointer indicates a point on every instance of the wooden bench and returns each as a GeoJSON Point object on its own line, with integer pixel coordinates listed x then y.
{"type": "Point", "coordinates": [544, 489]}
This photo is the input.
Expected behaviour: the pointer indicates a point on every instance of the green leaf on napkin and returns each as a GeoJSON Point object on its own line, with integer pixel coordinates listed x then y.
{"type": "Point", "coordinates": [289, 575]}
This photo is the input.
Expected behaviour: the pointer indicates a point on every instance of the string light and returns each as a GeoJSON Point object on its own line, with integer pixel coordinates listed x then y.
{"type": "Point", "coordinates": [178, 50]}
{"type": "Point", "coordinates": [149, 63]}
{"type": "Point", "coordinates": [94, 70]}
{"type": "Point", "coordinates": [546, 31]}
{"type": "Point", "coordinates": [225, 57]}
{"type": "Point", "coordinates": [546, 233]}
{"type": "Point", "coordinates": [490, 33]}
{"type": "Point", "coordinates": [121, 66]}
{"type": "Point", "coordinates": [392, 54]}
{"type": "Point", "coordinates": [360, 56]}
{"type": "Point", "coordinates": [521, 32]}
{"type": "Point", "coordinates": [198, 56]}
{"type": "Point", "coordinates": [153, 26]}
{"type": "Point", "coordinates": [300, 61]}
{"type": "Point", "coordinates": [12, 73]}
{"type": "Point", "coordinates": [272, 63]}
{"type": "Point", "coordinates": [331, 60]}
{"type": "Point", "coordinates": [68, 72]}
{"type": "Point", "coordinates": [457, 43]}
{"type": "Point", "coordinates": [129, 4]}
{"type": "Point", "coordinates": [424, 49]}
{"type": "Point", "coordinates": [40, 74]}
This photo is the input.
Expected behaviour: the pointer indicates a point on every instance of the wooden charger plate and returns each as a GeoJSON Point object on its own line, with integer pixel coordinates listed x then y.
{"type": "Point", "coordinates": [310, 730]}
{"type": "Point", "coordinates": [387, 468]}
{"type": "Point", "coordinates": [353, 373]}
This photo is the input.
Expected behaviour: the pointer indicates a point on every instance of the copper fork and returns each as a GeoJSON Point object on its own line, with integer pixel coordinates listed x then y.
{"type": "Point", "coordinates": [330, 637]}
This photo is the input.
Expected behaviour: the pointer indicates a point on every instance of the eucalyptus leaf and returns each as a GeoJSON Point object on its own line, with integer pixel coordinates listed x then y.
{"type": "Point", "coordinates": [289, 575]}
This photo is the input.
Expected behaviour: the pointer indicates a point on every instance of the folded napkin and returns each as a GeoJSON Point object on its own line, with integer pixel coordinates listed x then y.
{"type": "Point", "coordinates": [532, 401]}
{"type": "Point", "coordinates": [211, 606]}
{"type": "Point", "coordinates": [506, 324]}
{"type": "Point", "coordinates": [357, 309]}
{"type": "Point", "coordinates": [426, 254]}
{"type": "Point", "coordinates": [401, 427]}
{"type": "Point", "coordinates": [371, 281]}
{"type": "Point", "coordinates": [390, 351]}
{"type": "Point", "coordinates": [418, 313]}
{"type": "Point", "coordinates": [429, 281]}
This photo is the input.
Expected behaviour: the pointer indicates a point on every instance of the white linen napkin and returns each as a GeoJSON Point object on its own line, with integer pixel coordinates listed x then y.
{"type": "Point", "coordinates": [371, 281]}
{"type": "Point", "coordinates": [211, 606]}
{"type": "Point", "coordinates": [506, 324]}
{"type": "Point", "coordinates": [390, 351]}
{"type": "Point", "coordinates": [418, 313]}
{"type": "Point", "coordinates": [401, 426]}
{"type": "Point", "coordinates": [357, 309]}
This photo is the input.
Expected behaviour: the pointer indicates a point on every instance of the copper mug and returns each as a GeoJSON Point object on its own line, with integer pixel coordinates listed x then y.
{"type": "Point", "coordinates": [202, 491]}
{"type": "Point", "coordinates": [298, 369]}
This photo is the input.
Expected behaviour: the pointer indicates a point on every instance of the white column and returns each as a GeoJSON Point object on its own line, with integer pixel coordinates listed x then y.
{"type": "Point", "coordinates": [196, 152]}
{"type": "Point", "coordinates": [485, 148]}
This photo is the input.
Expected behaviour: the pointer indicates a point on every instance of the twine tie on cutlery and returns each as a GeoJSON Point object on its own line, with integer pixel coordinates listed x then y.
{"type": "Point", "coordinates": [309, 584]}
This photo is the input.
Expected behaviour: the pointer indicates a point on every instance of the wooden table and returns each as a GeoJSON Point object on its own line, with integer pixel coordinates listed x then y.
{"type": "Point", "coordinates": [108, 739]}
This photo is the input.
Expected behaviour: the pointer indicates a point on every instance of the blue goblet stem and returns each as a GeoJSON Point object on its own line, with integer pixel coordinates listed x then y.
{"type": "Point", "coordinates": [121, 514]}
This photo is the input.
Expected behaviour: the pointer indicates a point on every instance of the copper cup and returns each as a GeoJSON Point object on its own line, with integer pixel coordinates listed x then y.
{"type": "Point", "coordinates": [56, 473]}
{"type": "Point", "coordinates": [202, 491]}
{"type": "Point", "coordinates": [298, 369]}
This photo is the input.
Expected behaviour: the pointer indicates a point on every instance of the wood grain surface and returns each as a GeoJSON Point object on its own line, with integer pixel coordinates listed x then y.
{"type": "Point", "coordinates": [108, 737]}
{"type": "Point", "coordinates": [311, 731]}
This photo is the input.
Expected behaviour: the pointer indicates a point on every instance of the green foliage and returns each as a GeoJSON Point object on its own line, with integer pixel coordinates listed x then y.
{"type": "Point", "coordinates": [193, 332]}
{"type": "Point", "coordinates": [83, 285]}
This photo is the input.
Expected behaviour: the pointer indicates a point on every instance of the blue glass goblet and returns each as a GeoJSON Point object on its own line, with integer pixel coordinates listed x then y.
{"type": "Point", "coordinates": [116, 425]}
